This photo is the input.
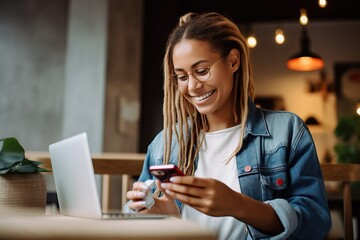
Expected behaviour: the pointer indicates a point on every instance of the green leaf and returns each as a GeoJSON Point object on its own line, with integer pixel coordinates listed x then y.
{"type": "Point", "coordinates": [36, 165]}
{"type": "Point", "coordinates": [27, 166]}
{"type": "Point", "coordinates": [348, 132]}
{"type": "Point", "coordinates": [12, 158]}
{"type": "Point", "coordinates": [11, 152]}
{"type": "Point", "coordinates": [24, 168]}
{"type": "Point", "coordinates": [5, 170]}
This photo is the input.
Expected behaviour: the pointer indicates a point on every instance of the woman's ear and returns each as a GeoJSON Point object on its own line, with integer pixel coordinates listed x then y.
{"type": "Point", "coordinates": [234, 59]}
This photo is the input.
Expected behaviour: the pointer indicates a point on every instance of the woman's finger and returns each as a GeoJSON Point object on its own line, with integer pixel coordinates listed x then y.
{"type": "Point", "coordinates": [140, 186]}
{"type": "Point", "coordinates": [163, 190]}
{"type": "Point", "coordinates": [158, 185]}
{"type": "Point", "coordinates": [190, 200]}
{"type": "Point", "coordinates": [190, 180]}
{"type": "Point", "coordinates": [194, 191]}
{"type": "Point", "coordinates": [135, 195]}
{"type": "Point", "coordinates": [137, 205]}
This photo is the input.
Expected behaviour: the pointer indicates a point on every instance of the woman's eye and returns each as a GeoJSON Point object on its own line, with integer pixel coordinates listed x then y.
{"type": "Point", "coordinates": [182, 77]}
{"type": "Point", "coordinates": [201, 71]}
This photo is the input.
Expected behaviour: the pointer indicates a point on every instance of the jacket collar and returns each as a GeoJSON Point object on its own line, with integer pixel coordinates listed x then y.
{"type": "Point", "coordinates": [256, 124]}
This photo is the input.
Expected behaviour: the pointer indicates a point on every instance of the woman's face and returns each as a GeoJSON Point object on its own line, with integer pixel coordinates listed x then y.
{"type": "Point", "coordinates": [213, 97]}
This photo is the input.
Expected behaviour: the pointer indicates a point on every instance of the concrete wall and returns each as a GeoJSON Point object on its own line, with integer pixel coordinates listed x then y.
{"type": "Point", "coordinates": [61, 65]}
{"type": "Point", "coordinates": [85, 71]}
{"type": "Point", "coordinates": [52, 70]}
{"type": "Point", "coordinates": [32, 56]}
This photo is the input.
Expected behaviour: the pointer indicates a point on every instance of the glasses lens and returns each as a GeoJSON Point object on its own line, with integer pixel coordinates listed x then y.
{"type": "Point", "coordinates": [180, 80]}
{"type": "Point", "coordinates": [202, 74]}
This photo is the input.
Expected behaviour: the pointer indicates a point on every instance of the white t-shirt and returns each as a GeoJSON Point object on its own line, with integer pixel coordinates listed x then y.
{"type": "Point", "coordinates": [216, 149]}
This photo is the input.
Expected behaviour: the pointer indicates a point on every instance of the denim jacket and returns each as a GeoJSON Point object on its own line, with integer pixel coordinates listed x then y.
{"type": "Point", "coordinates": [277, 164]}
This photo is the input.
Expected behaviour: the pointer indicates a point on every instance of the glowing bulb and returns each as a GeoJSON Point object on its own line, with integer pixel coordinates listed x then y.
{"type": "Point", "coordinates": [358, 109]}
{"type": "Point", "coordinates": [252, 41]}
{"type": "Point", "coordinates": [279, 36]}
{"type": "Point", "coordinates": [303, 17]}
{"type": "Point", "coordinates": [322, 3]}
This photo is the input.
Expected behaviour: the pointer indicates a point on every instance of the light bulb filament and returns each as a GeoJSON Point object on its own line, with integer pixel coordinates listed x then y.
{"type": "Point", "coordinates": [252, 41]}
{"type": "Point", "coordinates": [279, 36]}
{"type": "Point", "coordinates": [303, 17]}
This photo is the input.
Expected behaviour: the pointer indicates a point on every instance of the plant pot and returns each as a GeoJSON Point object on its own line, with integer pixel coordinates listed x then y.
{"type": "Point", "coordinates": [25, 191]}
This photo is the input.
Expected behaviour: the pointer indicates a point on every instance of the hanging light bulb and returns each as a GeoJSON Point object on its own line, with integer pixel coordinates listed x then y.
{"type": "Point", "coordinates": [322, 3]}
{"type": "Point", "coordinates": [303, 17]}
{"type": "Point", "coordinates": [358, 109]}
{"type": "Point", "coordinates": [252, 41]}
{"type": "Point", "coordinates": [305, 60]}
{"type": "Point", "coordinates": [279, 36]}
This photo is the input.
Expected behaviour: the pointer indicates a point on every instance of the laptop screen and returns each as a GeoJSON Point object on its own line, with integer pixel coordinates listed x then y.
{"type": "Point", "coordinates": [74, 177]}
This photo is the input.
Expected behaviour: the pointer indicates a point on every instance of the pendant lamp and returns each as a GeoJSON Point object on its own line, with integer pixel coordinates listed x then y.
{"type": "Point", "coordinates": [305, 60]}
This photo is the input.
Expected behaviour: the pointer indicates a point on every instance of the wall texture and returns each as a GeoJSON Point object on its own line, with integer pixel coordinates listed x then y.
{"type": "Point", "coordinates": [52, 70]}
{"type": "Point", "coordinates": [85, 66]}
{"type": "Point", "coordinates": [32, 50]}
{"type": "Point", "coordinates": [122, 115]}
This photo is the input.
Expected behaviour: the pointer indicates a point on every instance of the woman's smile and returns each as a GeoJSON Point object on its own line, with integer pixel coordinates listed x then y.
{"type": "Point", "coordinates": [200, 98]}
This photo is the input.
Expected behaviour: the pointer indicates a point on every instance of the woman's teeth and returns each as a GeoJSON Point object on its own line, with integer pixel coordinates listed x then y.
{"type": "Point", "coordinates": [200, 98]}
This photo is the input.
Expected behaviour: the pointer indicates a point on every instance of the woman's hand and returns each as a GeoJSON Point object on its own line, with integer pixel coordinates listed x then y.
{"type": "Point", "coordinates": [163, 205]}
{"type": "Point", "coordinates": [207, 195]}
{"type": "Point", "coordinates": [215, 198]}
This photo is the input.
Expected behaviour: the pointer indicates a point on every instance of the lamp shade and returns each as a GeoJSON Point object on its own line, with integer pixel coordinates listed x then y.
{"type": "Point", "coordinates": [305, 60]}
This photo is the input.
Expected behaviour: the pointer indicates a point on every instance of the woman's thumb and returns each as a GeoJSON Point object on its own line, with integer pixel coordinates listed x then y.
{"type": "Point", "coordinates": [158, 185]}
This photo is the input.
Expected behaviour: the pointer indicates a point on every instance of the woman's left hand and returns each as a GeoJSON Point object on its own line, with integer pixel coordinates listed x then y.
{"type": "Point", "coordinates": [207, 195]}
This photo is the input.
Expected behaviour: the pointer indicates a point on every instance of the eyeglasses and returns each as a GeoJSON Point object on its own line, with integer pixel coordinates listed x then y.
{"type": "Point", "coordinates": [201, 74]}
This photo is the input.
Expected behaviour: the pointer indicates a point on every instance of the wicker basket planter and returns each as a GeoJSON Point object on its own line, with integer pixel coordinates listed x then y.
{"type": "Point", "coordinates": [23, 191]}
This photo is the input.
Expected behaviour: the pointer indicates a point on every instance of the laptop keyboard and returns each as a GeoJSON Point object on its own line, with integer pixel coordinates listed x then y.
{"type": "Point", "coordinates": [133, 216]}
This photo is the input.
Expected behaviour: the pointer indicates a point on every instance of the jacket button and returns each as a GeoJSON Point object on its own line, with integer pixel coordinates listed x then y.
{"type": "Point", "coordinates": [247, 168]}
{"type": "Point", "coordinates": [279, 182]}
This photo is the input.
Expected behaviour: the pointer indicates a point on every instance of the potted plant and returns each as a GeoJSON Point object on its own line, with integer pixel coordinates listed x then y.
{"type": "Point", "coordinates": [22, 184]}
{"type": "Point", "coordinates": [348, 133]}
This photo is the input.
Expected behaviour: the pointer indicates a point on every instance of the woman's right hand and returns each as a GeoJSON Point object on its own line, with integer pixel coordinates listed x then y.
{"type": "Point", "coordinates": [163, 205]}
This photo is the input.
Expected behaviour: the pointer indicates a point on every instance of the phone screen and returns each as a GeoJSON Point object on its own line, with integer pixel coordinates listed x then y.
{"type": "Point", "coordinates": [165, 172]}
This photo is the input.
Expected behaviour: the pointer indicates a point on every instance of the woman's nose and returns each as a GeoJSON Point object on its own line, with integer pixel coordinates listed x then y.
{"type": "Point", "coordinates": [193, 82]}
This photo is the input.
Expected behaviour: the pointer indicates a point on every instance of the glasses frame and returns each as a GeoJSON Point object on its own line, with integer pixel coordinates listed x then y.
{"type": "Point", "coordinates": [193, 73]}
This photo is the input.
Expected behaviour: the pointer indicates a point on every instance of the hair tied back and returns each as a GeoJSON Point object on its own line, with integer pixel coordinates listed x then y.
{"type": "Point", "coordinates": [186, 18]}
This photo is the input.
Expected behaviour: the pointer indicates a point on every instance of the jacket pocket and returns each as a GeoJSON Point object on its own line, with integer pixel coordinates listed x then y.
{"type": "Point", "coordinates": [274, 183]}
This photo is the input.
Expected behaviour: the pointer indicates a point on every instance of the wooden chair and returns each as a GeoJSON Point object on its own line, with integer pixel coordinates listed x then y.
{"type": "Point", "coordinates": [346, 174]}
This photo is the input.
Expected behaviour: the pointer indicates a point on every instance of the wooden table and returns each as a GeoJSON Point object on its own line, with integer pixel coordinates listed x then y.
{"type": "Point", "coordinates": [62, 227]}
{"type": "Point", "coordinates": [130, 164]}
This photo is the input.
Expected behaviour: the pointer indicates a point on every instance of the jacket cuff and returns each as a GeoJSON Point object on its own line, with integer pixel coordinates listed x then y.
{"type": "Point", "coordinates": [287, 216]}
{"type": "Point", "coordinates": [126, 208]}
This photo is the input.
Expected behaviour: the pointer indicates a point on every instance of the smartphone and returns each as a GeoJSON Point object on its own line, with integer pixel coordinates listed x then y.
{"type": "Point", "coordinates": [165, 172]}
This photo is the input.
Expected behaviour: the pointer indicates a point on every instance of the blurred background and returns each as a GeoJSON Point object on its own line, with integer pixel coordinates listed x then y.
{"type": "Point", "coordinates": [69, 66]}
{"type": "Point", "coordinates": [96, 66]}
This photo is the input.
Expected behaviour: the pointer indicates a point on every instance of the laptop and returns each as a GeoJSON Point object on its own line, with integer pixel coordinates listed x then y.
{"type": "Point", "coordinates": [75, 181]}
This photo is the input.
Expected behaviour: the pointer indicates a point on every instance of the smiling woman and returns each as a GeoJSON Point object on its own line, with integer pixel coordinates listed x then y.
{"type": "Point", "coordinates": [250, 173]}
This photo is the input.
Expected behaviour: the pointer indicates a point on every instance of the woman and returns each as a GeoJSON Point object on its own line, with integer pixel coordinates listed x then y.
{"type": "Point", "coordinates": [251, 173]}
